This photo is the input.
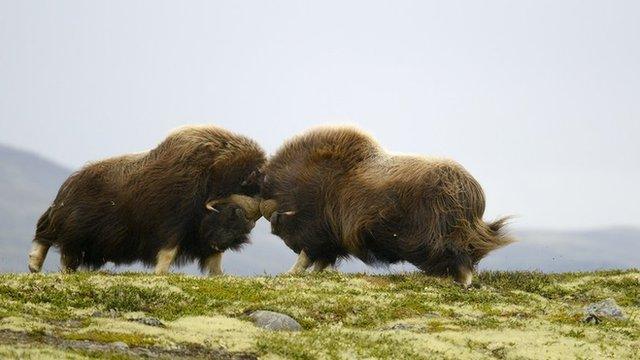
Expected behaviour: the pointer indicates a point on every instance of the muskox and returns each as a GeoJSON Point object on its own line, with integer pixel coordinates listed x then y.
{"type": "Point", "coordinates": [191, 197]}
{"type": "Point", "coordinates": [333, 192]}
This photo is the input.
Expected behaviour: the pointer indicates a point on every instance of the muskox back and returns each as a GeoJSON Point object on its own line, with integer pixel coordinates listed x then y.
{"type": "Point", "coordinates": [335, 193]}
{"type": "Point", "coordinates": [127, 208]}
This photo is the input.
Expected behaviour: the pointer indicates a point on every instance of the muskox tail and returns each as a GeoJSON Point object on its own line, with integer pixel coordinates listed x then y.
{"type": "Point", "coordinates": [498, 234]}
{"type": "Point", "coordinates": [478, 237]}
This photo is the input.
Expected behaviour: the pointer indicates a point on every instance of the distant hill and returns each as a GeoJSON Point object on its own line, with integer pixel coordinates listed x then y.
{"type": "Point", "coordinates": [28, 184]}
{"type": "Point", "coordinates": [558, 251]}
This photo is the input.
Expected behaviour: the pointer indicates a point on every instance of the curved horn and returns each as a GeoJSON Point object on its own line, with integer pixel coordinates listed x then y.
{"type": "Point", "coordinates": [250, 205]}
{"type": "Point", "coordinates": [267, 207]}
{"type": "Point", "coordinates": [211, 205]}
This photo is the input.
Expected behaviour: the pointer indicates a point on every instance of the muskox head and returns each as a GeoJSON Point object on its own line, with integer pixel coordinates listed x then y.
{"type": "Point", "coordinates": [278, 219]}
{"type": "Point", "coordinates": [228, 222]}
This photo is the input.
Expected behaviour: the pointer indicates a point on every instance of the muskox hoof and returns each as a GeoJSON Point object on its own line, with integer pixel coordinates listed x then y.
{"type": "Point", "coordinates": [213, 264]}
{"type": "Point", "coordinates": [33, 268]}
{"type": "Point", "coordinates": [464, 278]}
{"type": "Point", "coordinates": [302, 264]}
{"type": "Point", "coordinates": [35, 265]}
{"type": "Point", "coordinates": [67, 270]}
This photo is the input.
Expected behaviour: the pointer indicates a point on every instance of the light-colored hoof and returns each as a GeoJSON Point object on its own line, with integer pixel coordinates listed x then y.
{"type": "Point", "coordinates": [465, 279]}
{"type": "Point", "coordinates": [34, 268]}
{"type": "Point", "coordinates": [164, 258]}
{"type": "Point", "coordinates": [35, 263]}
{"type": "Point", "coordinates": [216, 274]}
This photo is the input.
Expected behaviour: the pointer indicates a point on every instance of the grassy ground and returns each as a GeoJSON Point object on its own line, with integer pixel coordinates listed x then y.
{"type": "Point", "coordinates": [510, 315]}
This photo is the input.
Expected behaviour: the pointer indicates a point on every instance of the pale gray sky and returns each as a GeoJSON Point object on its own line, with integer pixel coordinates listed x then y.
{"type": "Point", "coordinates": [540, 100]}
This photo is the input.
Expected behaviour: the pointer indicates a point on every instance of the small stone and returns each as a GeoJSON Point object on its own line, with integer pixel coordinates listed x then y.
{"type": "Point", "coordinates": [497, 350]}
{"type": "Point", "coordinates": [111, 313]}
{"type": "Point", "coordinates": [150, 321]}
{"type": "Point", "coordinates": [606, 309]}
{"type": "Point", "coordinates": [73, 323]}
{"type": "Point", "coordinates": [274, 321]}
{"type": "Point", "coordinates": [119, 345]}
{"type": "Point", "coordinates": [401, 326]}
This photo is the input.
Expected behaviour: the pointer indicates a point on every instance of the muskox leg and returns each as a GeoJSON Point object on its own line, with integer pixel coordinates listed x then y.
{"type": "Point", "coordinates": [214, 264]}
{"type": "Point", "coordinates": [164, 259]}
{"type": "Point", "coordinates": [68, 262]}
{"type": "Point", "coordinates": [37, 255]}
{"type": "Point", "coordinates": [301, 265]}
{"type": "Point", "coordinates": [464, 276]}
{"type": "Point", "coordinates": [320, 265]}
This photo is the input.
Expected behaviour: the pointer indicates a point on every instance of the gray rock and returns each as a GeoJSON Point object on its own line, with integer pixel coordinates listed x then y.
{"type": "Point", "coordinates": [606, 309]}
{"type": "Point", "coordinates": [150, 321]}
{"type": "Point", "coordinates": [274, 321]}
{"type": "Point", "coordinates": [119, 345]}
{"type": "Point", "coordinates": [111, 313]}
{"type": "Point", "coordinates": [401, 326]}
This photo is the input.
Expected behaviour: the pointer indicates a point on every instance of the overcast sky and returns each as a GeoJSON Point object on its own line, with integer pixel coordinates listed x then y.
{"type": "Point", "coordinates": [540, 100]}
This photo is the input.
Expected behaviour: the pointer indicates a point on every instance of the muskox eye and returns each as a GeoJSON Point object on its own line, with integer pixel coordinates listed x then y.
{"type": "Point", "coordinates": [240, 212]}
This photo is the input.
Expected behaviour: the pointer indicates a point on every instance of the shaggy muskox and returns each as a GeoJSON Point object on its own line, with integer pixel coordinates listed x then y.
{"type": "Point", "coordinates": [191, 197]}
{"type": "Point", "coordinates": [334, 192]}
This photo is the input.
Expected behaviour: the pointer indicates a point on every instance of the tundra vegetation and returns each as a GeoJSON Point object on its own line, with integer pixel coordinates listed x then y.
{"type": "Point", "coordinates": [504, 315]}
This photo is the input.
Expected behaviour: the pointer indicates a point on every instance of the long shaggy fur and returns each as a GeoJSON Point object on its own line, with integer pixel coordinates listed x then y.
{"type": "Point", "coordinates": [126, 208]}
{"type": "Point", "coordinates": [339, 194]}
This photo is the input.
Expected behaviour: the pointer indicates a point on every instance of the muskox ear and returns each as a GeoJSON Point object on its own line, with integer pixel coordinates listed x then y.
{"type": "Point", "coordinates": [211, 205]}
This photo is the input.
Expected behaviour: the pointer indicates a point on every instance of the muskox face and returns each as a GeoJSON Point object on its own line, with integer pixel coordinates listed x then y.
{"type": "Point", "coordinates": [453, 262]}
{"type": "Point", "coordinates": [283, 223]}
{"type": "Point", "coordinates": [251, 185]}
{"type": "Point", "coordinates": [280, 220]}
{"type": "Point", "coordinates": [225, 226]}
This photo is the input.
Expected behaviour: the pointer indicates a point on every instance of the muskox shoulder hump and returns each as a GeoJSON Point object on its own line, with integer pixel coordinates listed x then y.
{"type": "Point", "coordinates": [343, 145]}
{"type": "Point", "coordinates": [209, 134]}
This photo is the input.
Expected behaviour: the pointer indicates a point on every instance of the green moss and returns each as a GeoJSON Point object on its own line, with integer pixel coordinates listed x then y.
{"type": "Point", "coordinates": [575, 333]}
{"type": "Point", "coordinates": [340, 344]}
{"type": "Point", "coordinates": [131, 339]}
